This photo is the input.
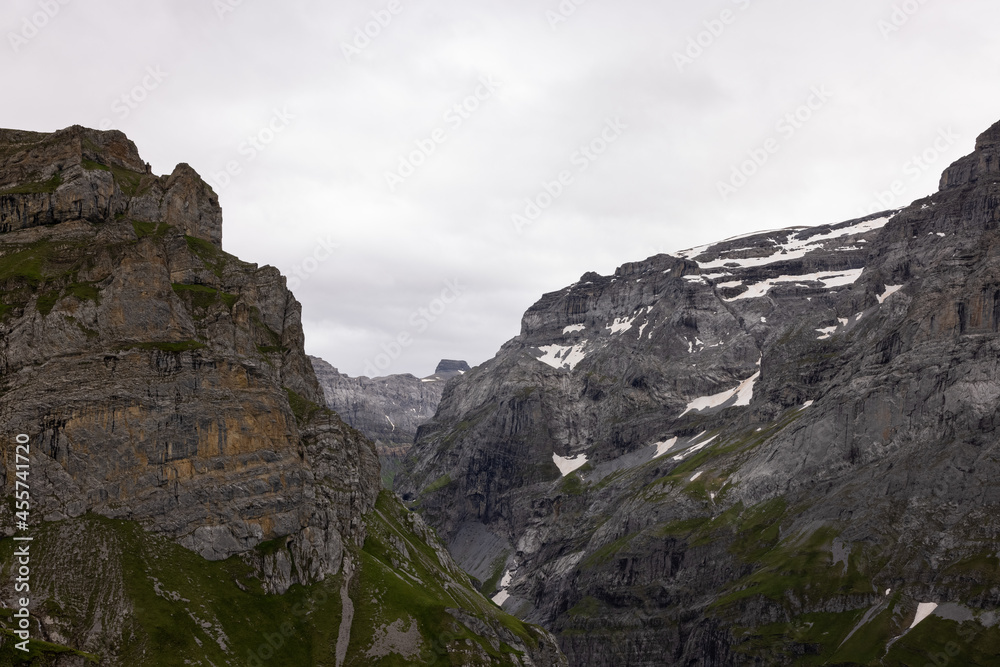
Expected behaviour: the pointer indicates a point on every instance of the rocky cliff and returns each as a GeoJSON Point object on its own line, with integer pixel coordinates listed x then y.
{"type": "Point", "coordinates": [386, 409]}
{"type": "Point", "coordinates": [189, 493]}
{"type": "Point", "coordinates": [776, 449]}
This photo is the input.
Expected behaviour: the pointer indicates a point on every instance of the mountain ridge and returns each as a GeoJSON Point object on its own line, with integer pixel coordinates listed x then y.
{"type": "Point", "coordinates": [192, 500]}
{"type": "Point", "coordinates": [774, 449]}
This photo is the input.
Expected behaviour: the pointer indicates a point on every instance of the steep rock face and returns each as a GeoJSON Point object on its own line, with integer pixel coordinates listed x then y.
{"type": "Point", "coordinates": [386, 409]}
{"type": "Point", "coordinates": [159, 372]}
{"type": "Point", "coordinates": [769, 448]}
{"type": "Point", "coordinates": [163, 383]}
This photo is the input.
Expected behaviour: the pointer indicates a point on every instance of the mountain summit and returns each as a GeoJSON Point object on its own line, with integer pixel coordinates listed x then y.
{"type": "Point", "coordinates": [776, 449]}
{"type": "Point", "coordinates": [191, 501]}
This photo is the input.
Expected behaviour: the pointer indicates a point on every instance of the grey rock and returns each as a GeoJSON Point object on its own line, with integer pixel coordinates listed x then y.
{"type": "Point", "coordinates": [840, 380]}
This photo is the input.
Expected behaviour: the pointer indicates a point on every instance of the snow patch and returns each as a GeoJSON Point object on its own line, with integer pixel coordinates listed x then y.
{"type": "Point", "coordinates": [889, 291]}
{"type": "Point", "coordinates": [574, 328]}
{"type": "Point", "coordinates": [793, 248]}
{"type": "Point", "coordinates": [695, 476]}
{"type": "Point", "coordinates": [683, 455]}
{"type": "Point", "coordinates": [743, 394]}
{"type": "Point", "coordinates": [664, 446]}
{"type": "Point", "coordinates": [390, 422]}
{"type": "Point", "coordinates": [924, 609]}
{"type": "Point", "coordinates": [568, 465]}
{"type": "Point", "coordinates": [502, 596]}
{"type": "Point", "coordinates": [827, 332]}
{"type": "Point", "coordinates": [621, 324]}
{"type": "Point", "coordinates": [829, 279]}
{"type": "Point", "coordinates": [563, 356]}
{"type": "Point", "coordinates": [806, 405]}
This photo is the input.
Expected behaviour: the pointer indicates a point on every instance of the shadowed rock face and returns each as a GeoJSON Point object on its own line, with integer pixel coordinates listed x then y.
{"type": "Point", "coordinates": [159, 376]}
{"type": "Point", "coordinates": [728, 457]}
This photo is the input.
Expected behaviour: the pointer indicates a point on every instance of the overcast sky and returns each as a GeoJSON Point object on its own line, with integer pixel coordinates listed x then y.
{"type": "Point", "coordinates": [387, 168]}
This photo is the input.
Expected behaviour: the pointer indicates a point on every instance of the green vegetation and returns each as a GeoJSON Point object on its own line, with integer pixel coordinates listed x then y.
{"type": "Point", "coordinates": [572, 485]}
{"type": "Point", "coordinates": [46, 302]}
{"type": "Point", "coordinates": [166, 346]}
{"type": "Point", "coordinates": [39, 652]}
{"type": "Point", "coordinates": [497, 569]}
{"type": "Point", "coordinates": [36, 187]}
{"type": "Point", "coordinates": [91, 165]}
{"type": "Point", "coordinates": [607, 552]}
{"type": "Point", "coordinates": [303, 409]}
{"type": "Point", "coordinates": [588, 607]}
{"type": "Point", "coordinates": [212, 257]}
{"type": "Point", "coordinates": [153, 229]}
{"type": "Point", "coordinates": [389, 588]}
{"type": "Point", "coordinates": [84, 292]}
{"type": "Point", "coordinates": [438, 484]}
{"type": "Point", "coordinates": [203, 297]}
{"type": "Point", "coordinates": [182, 609]}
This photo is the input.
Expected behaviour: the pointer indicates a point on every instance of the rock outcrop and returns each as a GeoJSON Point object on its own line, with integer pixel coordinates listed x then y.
{"type": "Point", "coordinates": [777, 449]}
{"type": "Point", "coordinates": [386, 409]}
{"type": "Point", "coordinates": [163, 383]}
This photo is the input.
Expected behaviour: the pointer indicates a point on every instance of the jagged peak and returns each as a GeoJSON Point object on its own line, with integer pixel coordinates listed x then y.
{"type": "Point", "coordinates": [984, 161]}
{"type": "Point", "coordinates": [44, 178]}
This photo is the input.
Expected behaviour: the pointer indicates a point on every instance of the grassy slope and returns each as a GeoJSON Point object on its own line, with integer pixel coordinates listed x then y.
{"type": "Point", "coordinates": [175, 608]}
{"type": "Point", "coordinates": [796, 576]}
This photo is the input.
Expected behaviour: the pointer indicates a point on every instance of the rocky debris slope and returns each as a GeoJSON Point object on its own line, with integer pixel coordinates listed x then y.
{"type": "Point", "coordinates": [777, 449]}
{"type": "Point", "coordinates": [386, 409]}
{"type": "Point", "coordinates": [163, 384]}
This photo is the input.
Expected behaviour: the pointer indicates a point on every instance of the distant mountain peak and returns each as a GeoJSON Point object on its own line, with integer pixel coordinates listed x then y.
{"type": "Point", "coordinates": [451, 366]}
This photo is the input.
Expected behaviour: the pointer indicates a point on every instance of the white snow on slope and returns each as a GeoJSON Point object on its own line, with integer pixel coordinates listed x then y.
{"type": "Point", "coordinates": [502, 596]}
{"type": "Point", "coordinates": [683, 455]}
{"type": "Point", "coordinates": [695, 476]}
{"type": "Point", "coordinates": [574, 328]}
{"type": "Point", "coordinates": [621, 324]}
{"type": "Point", "coordinates": [568, 465]}
{"type": "Point", "coordinates": [924, 609]}
{"type": "Point", "coordinates": [390, 422]}
{"type": "Point", "coordinates": [889, 291]}
{"type": "Point", "coordinates": [829, 279]}
{"type": "Point", "coordinates": [793, 248]}
{"type": "Point", "coordinates": [664, 446]}
{"type": "Point", "coordinates": [563, 356]}
{"type": "Point", "coordinates": [743, 394]}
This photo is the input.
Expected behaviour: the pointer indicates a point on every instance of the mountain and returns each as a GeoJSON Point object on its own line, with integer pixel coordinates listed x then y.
{"type": "Point", "coordinates": [777, 449]}
{"type": "Point", "coordinates": [190, 500]}
{"type": "Point", "coordinates": [386, 409]}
